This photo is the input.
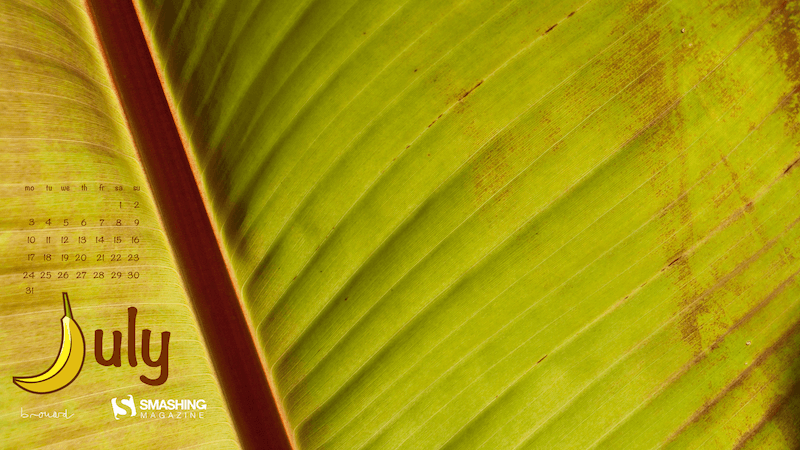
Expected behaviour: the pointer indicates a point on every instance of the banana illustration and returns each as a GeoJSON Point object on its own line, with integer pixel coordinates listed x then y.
{"type": "Point", "coordinates": [69, 362]}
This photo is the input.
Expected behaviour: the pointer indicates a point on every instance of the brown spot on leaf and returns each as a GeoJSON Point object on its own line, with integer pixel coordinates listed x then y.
{"type": "Point", "coordinates": [465, 94]}
{"type": "Point", "coordinates": [491, 170]}
{"type": "Point", "coordinates": [782, 412]}
{"type": "Point", "coordinates": [709, 405]}
{"type": "Point", "coordinates": [786, 43]}
{"type": "Point", "coordinates": [661, 127]}
{"type": "Point", "coordinates": [791, 166]}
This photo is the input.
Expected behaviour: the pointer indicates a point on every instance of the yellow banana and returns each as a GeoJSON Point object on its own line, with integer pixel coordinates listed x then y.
{"type": "Point", "coordinates": [69, 362]}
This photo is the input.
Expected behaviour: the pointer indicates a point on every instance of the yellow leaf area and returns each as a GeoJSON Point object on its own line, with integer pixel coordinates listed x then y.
{"type": "Point", "coordinates": [76, 216]}
{"type": "Point", "coordinates": [507, 224]}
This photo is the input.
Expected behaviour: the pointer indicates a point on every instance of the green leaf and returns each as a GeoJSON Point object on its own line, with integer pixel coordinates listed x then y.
{"type": "Point", "coordinates": [506, 224]}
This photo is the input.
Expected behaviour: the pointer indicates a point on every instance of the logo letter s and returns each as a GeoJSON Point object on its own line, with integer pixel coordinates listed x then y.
{"type": "Point", "coordinates": [120, 411]}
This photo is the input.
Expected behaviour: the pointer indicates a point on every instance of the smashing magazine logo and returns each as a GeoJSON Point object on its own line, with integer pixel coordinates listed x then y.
{"type": "Point", "coordinates": [159, 408]}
